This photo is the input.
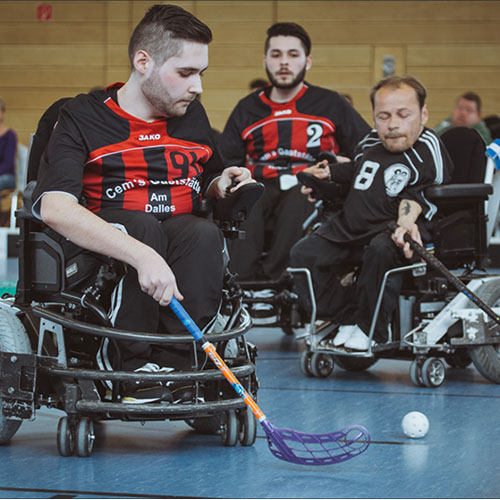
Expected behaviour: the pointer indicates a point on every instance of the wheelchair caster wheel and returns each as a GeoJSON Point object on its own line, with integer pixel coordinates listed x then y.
{"type": "Point", "coordinates": [321, 364]}
{"type": "Point", "coordinates": [433, 372]}
{"type": "Point", "coordinates": [305, 363]}
{"type": "Point", "coordinates": [248, 427]}
{"type": "Point", "coordinates": [230, 429]}
{"type": "Point", "coordinates": [85, 437]}
{"type": "Point", "coordinates": [416, 374]}
{"type": "Point", "coordinates": [65, 437]}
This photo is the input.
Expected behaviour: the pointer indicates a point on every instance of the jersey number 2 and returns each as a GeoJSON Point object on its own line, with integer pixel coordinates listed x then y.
{"type": "Point", "coordinates": [314, 133]}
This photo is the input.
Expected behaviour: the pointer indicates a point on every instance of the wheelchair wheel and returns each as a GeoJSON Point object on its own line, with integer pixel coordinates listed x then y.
{"type": "Point", "coordinates": [230, 429]}
{"type": "Point", "coordinates": [305, 363]}
{"type": "Point", "coordinates": [459, 359]}
{"type": "Point", "coordinates": [322, 364]}
{"type": "Point", "coordinates": [85, 437]}
{"type": "Point", "coordinates": [13, 338]}
{"type": "Point", "coordinates": [248, 427]}
{"type": "Point", "coordinates": [354, 364]}
{"type": "Point", "coordinates": [487, 358]}
{"type": "Point", "coordinates": [65, 438]}
{"type": "Point", "coordinates": [205, 425]}
{"type": "Point", "coordinates": [416, 374]}
{"type": "Point", "coordinates": [433, 372]}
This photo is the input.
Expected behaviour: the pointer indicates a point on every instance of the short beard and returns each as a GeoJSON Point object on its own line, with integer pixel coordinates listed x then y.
{"type": "Point", "coordinates": [156, 96]}
{"type": "Point", "coordinates": [298, 79]}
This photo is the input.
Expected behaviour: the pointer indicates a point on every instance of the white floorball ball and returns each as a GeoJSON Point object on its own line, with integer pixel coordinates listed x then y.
{"type": "Point", "coordinates": [415, 424]}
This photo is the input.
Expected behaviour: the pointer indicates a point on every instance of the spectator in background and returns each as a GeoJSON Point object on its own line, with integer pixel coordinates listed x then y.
{"type": "Point", "coordinates": [8, 148]}
{"type": "Point", "coordinates": [257, 84]}
{"type": "Point", "coordinates": [466, 113]}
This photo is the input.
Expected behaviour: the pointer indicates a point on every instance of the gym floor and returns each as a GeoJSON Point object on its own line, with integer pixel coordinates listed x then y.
{"type": "Point", "coordinates": [458, 458]}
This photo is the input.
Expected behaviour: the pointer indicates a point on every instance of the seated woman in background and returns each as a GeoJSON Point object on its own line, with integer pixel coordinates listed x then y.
{"type": "Point", "coordinates": [8, 148]}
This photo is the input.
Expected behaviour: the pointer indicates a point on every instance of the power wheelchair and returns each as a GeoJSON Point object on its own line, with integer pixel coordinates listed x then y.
{"type": "Point", "coordinates": [50, 333]}
{"type": "Point", "coordinates": [273, 302]}
{"type": "Point", "coordinates": [432, 322]}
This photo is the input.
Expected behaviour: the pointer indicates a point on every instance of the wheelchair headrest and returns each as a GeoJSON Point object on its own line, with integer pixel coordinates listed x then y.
{"type": "Point", "coordinates": [466, 149]}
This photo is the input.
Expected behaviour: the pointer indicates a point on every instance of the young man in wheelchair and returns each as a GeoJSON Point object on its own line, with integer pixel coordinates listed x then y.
{"type": "Point", "coordinates": [277, 132]}
{"type": "Point", "coordinates": [123, 173]}
{"type": "Point", "coordinates": [392, 167]}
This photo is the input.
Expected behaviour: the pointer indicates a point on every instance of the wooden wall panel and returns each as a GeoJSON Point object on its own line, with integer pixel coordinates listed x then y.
{"type": "Point", "coordinates": [247, 12]}
{"type": "Point", "coordinates": [380, 11]}
{"type": "Point", "coordinates": [458, 55]}
{"type": "Point", "coordinates": [51, 33]}
{"type": "Point", "coordinates": [54, 55]}
{"type": "Point", "coordinates": [452, 46]}
{"type": "Point", "coordinates": [74, 11]}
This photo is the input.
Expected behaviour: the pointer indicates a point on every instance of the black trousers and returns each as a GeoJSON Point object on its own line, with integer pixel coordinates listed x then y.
{"type": "Point", "coordinates": [280, 212]}
{"type": "Point", "coordinates": [193, 248]}
{"type": "Point", "coordinates": [328, 261]}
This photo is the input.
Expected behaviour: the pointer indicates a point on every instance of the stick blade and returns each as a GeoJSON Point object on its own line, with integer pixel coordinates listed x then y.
{"type": "Point", "coordinates": [317, 449]}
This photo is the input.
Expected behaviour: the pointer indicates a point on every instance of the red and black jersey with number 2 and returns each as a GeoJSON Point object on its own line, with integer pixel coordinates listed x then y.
{"type": "Point", "coordinates": [273, 139]}
{"type": "Point", "coordinates": [107, 158]}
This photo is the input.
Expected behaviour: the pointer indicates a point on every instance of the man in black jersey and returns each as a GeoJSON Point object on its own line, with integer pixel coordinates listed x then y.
{"type": "Point", "coordinates": [124, 171]}
{"type": "Point", "coordinates": [277, 132]}
{"type": "Point", "coordinates": [391, 169]}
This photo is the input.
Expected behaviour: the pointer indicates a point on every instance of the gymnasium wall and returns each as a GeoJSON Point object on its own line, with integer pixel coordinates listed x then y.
{"type": "Point", "coordinates": [59, 48]}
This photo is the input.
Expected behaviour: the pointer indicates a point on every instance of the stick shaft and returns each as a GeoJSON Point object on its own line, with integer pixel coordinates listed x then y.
{"type": "Point", "coordinates": [209, 348]}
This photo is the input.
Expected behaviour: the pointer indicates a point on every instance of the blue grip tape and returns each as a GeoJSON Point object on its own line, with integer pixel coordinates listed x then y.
{"type": "Point", "coordinates": [181, 313]}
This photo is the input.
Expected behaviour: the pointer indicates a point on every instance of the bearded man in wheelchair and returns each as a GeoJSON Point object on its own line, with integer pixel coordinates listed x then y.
{"type": "Point", "coordinates": [392, 167]}
{"type": "Point", "coordinates": [125, 171]}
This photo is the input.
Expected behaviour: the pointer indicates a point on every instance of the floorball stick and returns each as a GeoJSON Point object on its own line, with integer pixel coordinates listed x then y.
{"type": "Point", "coordinates": [285, 444]}
{"type": "Point", "coordinates": [451, 278]}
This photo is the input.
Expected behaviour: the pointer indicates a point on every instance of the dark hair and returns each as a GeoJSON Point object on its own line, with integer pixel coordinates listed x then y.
{"type": "Point", "coordinates": [472, 96]}
{"type": "Point", "coordinates": [396, 82]}
{"type": "Point", "coordinates": [289, 29]}
{"type": "Point", "coordinates": [2, 105]}
{"type": "Point", "coordinates": [162, 28]}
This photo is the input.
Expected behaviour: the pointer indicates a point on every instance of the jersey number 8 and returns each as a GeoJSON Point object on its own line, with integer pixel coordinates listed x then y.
{"type": "Point", "coordinates": [366, 175]}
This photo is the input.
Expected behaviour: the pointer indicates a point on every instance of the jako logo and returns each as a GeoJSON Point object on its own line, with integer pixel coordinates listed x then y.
{"type": "Point", "coordinates": [151, 137]}
{"type": "Point", "coordinates": [283, 112]}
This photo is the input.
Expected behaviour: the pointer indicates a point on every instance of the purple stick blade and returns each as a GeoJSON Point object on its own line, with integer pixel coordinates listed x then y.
{"type": "Point", "coordinates": [316, 449]}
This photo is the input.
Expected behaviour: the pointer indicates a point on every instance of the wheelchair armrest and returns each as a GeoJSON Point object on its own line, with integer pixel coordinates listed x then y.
{"type": "Point", "coordinates": [237, 207]}
{"type": "Point", "coordinates": [464, 191]}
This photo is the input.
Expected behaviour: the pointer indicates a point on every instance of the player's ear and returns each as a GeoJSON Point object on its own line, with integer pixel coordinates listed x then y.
{"type": "Point", "coordinates": [424, 114]}
{"type": "Point", "coordinates": [141, 61]}
{"type": "Point", "coordinates": [309, 61]}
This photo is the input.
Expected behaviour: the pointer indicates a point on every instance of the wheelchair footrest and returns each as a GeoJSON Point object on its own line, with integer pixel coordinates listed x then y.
{"type": "Point", "coordinates": [159, 409]}
{"type": "Point", "coordinates": [17, 384]}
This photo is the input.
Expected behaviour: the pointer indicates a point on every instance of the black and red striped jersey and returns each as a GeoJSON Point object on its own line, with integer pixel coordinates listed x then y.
{"type": "Point", "coordinates": [107, 158]}
{"type": "Point", "coordinates": [380, 180]}
{"type": "Point", "coordinates": [273, 138]}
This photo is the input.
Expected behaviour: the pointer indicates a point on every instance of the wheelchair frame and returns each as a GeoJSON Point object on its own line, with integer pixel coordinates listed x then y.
{"type": "Point", "coordinates": [48, 347]}
{"type": "Point", "coordinates": [432, 321]}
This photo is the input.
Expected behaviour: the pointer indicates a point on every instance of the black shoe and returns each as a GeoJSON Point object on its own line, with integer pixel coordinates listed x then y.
{"type": "Point", "coordinates": [183, 392]}
{"type": "Point", "coordinates": [146, 392]}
